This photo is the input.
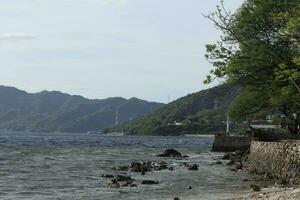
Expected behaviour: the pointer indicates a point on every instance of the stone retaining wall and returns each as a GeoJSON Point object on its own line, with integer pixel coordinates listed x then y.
{"type": "Point", "coordinates": [280, 160]}
{"type": "Point", "coordinates": [224, 143]}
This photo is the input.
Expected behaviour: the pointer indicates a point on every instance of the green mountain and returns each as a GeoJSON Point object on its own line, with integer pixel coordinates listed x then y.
{"type": "Point", "coordinates": [55, 111]}
{"type": "Point", "coordinates": [199, 113]}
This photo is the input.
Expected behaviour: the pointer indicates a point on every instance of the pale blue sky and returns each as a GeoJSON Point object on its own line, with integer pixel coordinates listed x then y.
{"type": "Point", "coordinates": [101, 48]}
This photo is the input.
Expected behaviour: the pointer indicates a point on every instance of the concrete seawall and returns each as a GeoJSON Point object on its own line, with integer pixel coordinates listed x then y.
{"type": "Point", "coordinates": [280, 160]}
{"type": "Point", "coordinates": [225, 143]}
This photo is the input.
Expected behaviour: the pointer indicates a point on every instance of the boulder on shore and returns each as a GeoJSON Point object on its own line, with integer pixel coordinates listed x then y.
{"type": "Point", "coordinates": [171, 153]}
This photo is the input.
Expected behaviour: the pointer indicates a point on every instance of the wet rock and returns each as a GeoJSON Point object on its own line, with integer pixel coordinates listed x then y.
{"type": "Point", "coordinates": [114, 184]}
{"type": "Point", "coordinates": [226, 156]}
{"type": "Point", "coordinates": [133, 185]}
{"type": "Point", "coordinates": [176, 198]}
{"type": "Point", "coordinates": [185, 156]}
{"type": "Point", "coordinates": [160, 166]}
{"type": "Point", "coordinates": [163, 163]}
{"type": "Point", "coordinates": [126, 184]}
{"type": "Point", "coordinates": [238, 165]}
{"type": "Point", "coordinates": [255, 188]}
{"type": "Point", "coordinates": [121, 178]}
{"type": "Point", "coordinates": [136, 167]}
{"type": "Point", "coordinates": [141, 166]}
{"type": "Point", "coordinates": [239, 152]}
{"type": "Point", "coordinates": [171, 153]}
{"type": "Point", "coordinates": [233, 169]}
{"type": "Point", "coordinates": [218, 163]}
{"type": "Point", "coordinates": [193, 167]}
{"type": "Point", "coordinates": [107, 176]}
{"type": "Point", "coordinates": [230, 163]}
{"type": "Point", "coordinates": [121, 168]}
{"type": "Point", "coordinates": [171, 168]}
{"type": "Point", "coordinates": [281, 182]}
{"type": "Point", "coordinates": [190, 187]}
{"type": "Point", "coordinates": [150, 182]}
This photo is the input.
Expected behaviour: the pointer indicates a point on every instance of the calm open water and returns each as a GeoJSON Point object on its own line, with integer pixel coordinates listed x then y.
{"type": "Point", "coordinates": [69, 167]}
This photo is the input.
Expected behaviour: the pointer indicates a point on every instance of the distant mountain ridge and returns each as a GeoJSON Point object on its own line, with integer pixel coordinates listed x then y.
{"type": "Point", "coordinates": [199, 113]}
{"type": "Point", "coordinates": [56, 111]}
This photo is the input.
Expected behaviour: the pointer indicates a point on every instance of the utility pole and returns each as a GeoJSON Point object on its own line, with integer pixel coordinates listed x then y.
{"type": "Point", "coordinates": [227, 124]}
{"type": "Point", "coordinates": [117, 118]}
{"type": "Point", "coordinates": [216, 104]}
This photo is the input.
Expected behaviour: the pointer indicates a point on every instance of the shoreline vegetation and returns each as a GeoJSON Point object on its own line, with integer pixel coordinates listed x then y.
{"type": "Point", "coordinates": [258, 50]}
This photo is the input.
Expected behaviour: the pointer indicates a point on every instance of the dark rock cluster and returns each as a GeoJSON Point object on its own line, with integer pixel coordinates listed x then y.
{"type": "Point", "coordinates": [143, 167]}
{"type": "Point", "coordinates": [171, 153]}
{"type": "Point", "coordinates": [236, 159]}
{"type": "Point", "coordinates": [123, 180]}
{"type": "Point", "coordinates": [126, 181]}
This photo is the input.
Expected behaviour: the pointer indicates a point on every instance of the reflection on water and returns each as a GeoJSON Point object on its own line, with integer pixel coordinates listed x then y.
{"type": "Point", "coordinates": [69, 166]}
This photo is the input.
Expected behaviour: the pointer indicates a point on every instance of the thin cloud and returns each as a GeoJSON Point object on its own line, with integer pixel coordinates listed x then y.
{"type": "Point", "coordinates": [16, 37]}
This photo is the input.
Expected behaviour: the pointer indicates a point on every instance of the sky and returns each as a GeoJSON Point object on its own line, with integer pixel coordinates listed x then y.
{"type": "Point", "coordinates": [149, 49]}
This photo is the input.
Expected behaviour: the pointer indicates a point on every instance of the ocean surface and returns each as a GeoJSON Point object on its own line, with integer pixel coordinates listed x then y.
{"type": "Point", "coordinates": [63, 166]}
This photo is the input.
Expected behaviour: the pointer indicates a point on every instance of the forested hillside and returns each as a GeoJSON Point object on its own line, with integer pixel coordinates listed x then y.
{"type": "Point", "coordinates": [56, 111]}
{"type": "Point", "coordinates": [199, 113]}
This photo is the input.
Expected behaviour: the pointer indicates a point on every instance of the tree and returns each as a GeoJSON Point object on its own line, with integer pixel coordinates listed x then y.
{"type": "Point", "coordinates": [260, 51]}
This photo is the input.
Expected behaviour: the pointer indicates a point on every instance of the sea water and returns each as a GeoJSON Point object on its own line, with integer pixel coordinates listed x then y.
{"type": "Point", "coordinates": [44, 166]}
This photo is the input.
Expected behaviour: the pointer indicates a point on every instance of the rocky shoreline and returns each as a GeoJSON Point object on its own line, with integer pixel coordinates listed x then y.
{"type": "Point", "coordinates": [273, 194]}
{"type": "Point", "coordinates": [238, 161]}
{"type": "Point", "coordinates": [124, 174]}
{"type": "Point", "coordinates": [130, 175]}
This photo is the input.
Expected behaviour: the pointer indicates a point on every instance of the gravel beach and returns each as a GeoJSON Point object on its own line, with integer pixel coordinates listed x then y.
{"type": "Point", "coordinates": [273, 194]}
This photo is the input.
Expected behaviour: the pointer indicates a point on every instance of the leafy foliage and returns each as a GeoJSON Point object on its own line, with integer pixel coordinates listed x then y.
{"type": "Point", "coordinates": [259, 50]}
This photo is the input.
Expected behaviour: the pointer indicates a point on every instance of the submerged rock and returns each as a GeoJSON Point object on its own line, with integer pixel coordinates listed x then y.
{"type": "Point", "coordinates": [171, 168]}
{"type": "Point", "coordinates": [160, 166]}
{"type": "Point", "coordinates": [226, 156]}
{"type": "Point", "coordinates": [255, 188]}
{"type": "Point", "coordinates": [218, 163]}
{"type": "Point", "coordinates": [171, 153]}
{"type": "Point", "coordinates": [127, 184]}
{"type": "Point", "coordinates": [114, 184]}
{"type": "Point", "coordinates": [193, 167]}
{"type": "Point", "coordinates": [107, 176]}
{"type": "Point", "coordinates": [133, 185]}
{"type": "Point", "coordinates": [136, 167]}
{"type": "Point", "coordinates": [121, 178]}
{"type": "Point", "coordinates": [150, 182]}
{"type": "Point", "coordinates": [176, 198]}
{"type": "Point", "coordinates": [142, 167]}
{"type": "Point", "coordinates": [121, 168]}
